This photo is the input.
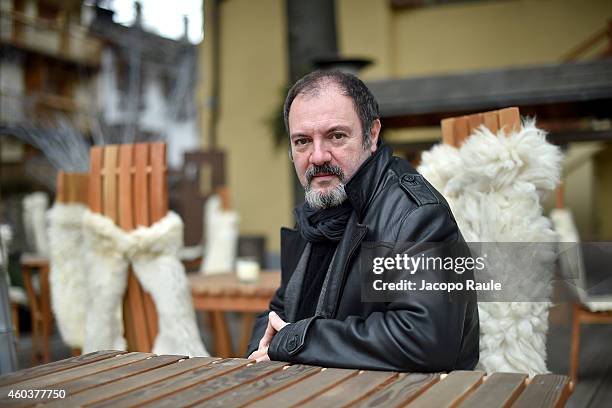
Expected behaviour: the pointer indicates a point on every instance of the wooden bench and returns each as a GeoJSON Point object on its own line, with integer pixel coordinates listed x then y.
{"type": "Point", "coordinates": [118, 378]}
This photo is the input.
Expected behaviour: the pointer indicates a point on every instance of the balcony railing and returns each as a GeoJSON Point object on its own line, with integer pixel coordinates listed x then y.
{"type": "Point", "coordinates": [62, 40]}
{"type": "Point", "coordinates": [21, 110]}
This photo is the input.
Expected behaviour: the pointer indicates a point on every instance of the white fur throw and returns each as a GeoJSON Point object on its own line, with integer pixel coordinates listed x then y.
{"type": "Point", "coordinates": [153, 254]}
{"type": "Point", "coordinates": [67, 278]}
{"type": "Point", "coordinates": [494, 185]}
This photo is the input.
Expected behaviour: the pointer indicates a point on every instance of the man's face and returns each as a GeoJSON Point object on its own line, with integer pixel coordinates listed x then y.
{"type": "Point", "coordinates": [327, 140]}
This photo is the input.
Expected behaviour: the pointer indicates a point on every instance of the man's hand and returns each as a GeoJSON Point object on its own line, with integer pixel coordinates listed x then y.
{"type": "Point", "coordinates": [275, 324]}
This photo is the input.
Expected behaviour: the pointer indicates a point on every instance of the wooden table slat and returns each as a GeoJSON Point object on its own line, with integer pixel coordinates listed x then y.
{"type": "Point", "coordinates": [116, 374]}
{"type": "Point", "coordinates": [175, 385]}
{"type": "Point", "coordinates": [48, 380]}
{"type": "Point", "coordinates": [545, 390]}
{"type": "Point", "coordinates": [352, 390]}
{"type": "Point", "coordinates": [257, 389]}
{"type": "Point", "coordinates": [39, 371]}
{"type": "Point", "coordinates": [404, 389]}
{"type": "Point", "coordinates": [218, 385]}
{"type": "Point", "coordinates": [499, 390]}
{"type": "Point", "coordinates": [305, 389]}
{"type": "Point", "coordinates": [132, 383]}
{"type": "Point", "coordinates": [450, 391]}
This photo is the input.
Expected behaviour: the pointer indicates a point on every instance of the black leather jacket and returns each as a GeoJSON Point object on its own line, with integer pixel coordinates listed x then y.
{"type": "Point", "coordinates": [392, 203]}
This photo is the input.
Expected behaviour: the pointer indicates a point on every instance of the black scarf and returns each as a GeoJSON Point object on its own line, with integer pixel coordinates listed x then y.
{"type": "Point", "coordinates": [327, 224]}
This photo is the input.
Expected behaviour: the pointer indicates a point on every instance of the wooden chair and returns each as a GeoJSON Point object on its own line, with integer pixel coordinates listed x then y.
{"type": "Point", "coordinates": [37, 298]}
{"type": "Point", "coordinates": [40, 304]}
{"type": "Point", "coordinates": [455, 130]}
{"type": "Point", "coordinates": [71, 188]}
{"type": "Point", "coordinates": [128, 184]}
{"type": "Point", "coordinates": [15, 318]}
{"type": "Point", "coordinates": [582, 315]}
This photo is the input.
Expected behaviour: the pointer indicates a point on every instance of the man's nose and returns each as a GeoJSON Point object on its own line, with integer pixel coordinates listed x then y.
{"type": "Point", "coordinates": [320, 153]}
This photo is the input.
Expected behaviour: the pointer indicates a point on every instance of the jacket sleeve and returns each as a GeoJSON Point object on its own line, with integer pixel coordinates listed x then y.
{"type": "Point", "coordinates": [261, 322]}
{"type": "Point", "coordinates": [423, 333]}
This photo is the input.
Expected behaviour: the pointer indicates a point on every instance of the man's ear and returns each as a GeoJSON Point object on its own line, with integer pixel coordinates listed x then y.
{"type": "Point", "coordinates": [374, 133]}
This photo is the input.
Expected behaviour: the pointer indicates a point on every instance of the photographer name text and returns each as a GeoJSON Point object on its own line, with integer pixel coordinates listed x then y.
{"type": "Point", "coordinates": [423, 285]}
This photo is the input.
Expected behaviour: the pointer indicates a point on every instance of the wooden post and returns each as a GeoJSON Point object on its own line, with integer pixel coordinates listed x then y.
{"type": "Point", "coordinates": [575, 351]}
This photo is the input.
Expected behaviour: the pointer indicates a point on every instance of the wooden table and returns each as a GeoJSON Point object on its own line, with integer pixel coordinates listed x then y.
{"type": "Point", "coordinates": [40, 305]}
{"type": "Point", "coordinates": [120, 379]}
{"type": "Point", "coordinates": [215, 294]}
{"type": "Point", "coordinates": [222, 293]}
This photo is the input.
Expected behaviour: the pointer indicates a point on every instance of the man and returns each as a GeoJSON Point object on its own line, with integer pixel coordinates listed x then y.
{"type": "Point", "coordinates": [356, 192]}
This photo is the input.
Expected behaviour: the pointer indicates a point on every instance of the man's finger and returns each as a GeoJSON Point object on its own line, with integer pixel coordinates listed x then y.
{"type": "Point", "coordinates": [276, 322]}
{"type": "Point", "coordinates": [258, 353]}
{"type": "Point", "coordinates": [263, 356]}
{"type": "Point", "coordinates": [268, 335]}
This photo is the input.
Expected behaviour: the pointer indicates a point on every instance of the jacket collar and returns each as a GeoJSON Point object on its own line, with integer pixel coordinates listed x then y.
{"type": "Point", "coordinates": [361, 187]}
{"type": "Point", "coordinates": [295, 252]}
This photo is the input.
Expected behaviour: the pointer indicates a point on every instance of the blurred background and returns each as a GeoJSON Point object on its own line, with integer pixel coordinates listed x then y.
{"type": "Point", "coordinates": [209, 77]}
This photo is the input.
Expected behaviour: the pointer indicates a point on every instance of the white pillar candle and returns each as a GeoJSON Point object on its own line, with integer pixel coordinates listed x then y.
{"type": "Point", "coordinates": [247, 270]}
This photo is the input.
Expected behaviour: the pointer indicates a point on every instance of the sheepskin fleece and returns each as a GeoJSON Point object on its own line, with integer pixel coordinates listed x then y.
{"type": "Point", "coordinates": [67, 278]}
{"type": "Point", "coordinates": [35, 207]}
{"type": "Point", "coordinates": [105, 246]}
{"type": "Point", "coordinates": [153, 254]}
{"type": "Point", "coordinates": [564, 225]}
{"type": "Point", "coordinates": [221, 238]}
{"type": "Point", "coordinates": [16, 293]}
{"type": "Point", "coordinates": [6, 236]}
{"type": "Point", "coordinates": [494, 184]}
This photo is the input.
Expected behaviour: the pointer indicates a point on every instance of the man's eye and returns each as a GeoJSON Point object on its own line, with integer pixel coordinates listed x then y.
{"type": "Point", "coordinates": [300, 142]}
{"type": "Point", "coordinates": [338, 136]}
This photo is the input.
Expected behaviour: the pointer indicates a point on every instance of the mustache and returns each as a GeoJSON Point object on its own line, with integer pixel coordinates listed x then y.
{"type": "Point", "coordinates": [326, 168]}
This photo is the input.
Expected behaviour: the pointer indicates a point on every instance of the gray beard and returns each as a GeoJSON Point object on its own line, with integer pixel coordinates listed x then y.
{"type": "Point", "coordinates": [319, 200]}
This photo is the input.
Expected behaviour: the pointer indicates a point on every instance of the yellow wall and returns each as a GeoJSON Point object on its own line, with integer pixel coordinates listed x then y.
{"type": "Point", "coordinates": [364, 30]}
{"type": "Point", "coordinates": [579, 194]}
{"type": "Point", "coordinates": [494, 34]}
{"type": "Point", "coordinates": [253, 73]}
{"type": "Point", "coordinates": [603, 186]}
{"type": "Point", "coordinates": [465, 36]}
